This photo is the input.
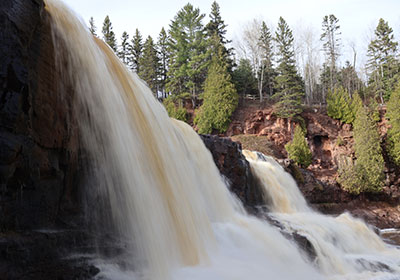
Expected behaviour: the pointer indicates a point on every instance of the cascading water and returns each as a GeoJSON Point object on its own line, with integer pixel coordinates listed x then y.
{"type": "Point", "coordinates": [344, 245]}
{"type": "Point", "coordinates": [166, 197]}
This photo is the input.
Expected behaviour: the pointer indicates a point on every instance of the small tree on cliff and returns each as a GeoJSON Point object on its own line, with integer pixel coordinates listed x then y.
{"type": "Point", "coordinates": [298, 149]}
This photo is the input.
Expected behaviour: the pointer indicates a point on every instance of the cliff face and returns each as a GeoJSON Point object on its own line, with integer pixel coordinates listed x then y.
{"type": "Point", "coordinates": [39, 147]}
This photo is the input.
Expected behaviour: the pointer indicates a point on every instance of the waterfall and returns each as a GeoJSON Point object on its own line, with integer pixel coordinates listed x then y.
{"type": "Point", "coordinates": [344, 245]}
{"type": "Point", "coordinates": [166, 197]}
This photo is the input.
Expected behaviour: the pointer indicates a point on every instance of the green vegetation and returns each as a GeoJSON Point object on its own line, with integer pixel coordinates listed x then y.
{"type": "Point", "coordinates": [393, 114]}
{"type": "Point", "coordinates": [149, 65]}
{"type": "Point", "coordinates": [382, 63]}
{"type": "Point", "coordinates": [108, 34]}
{"type": "Point", "coordinates": [298, 149]}
{"type": "Point", "coordinates": [220, 98]}
{"type": "Point", "coordinates": [366, 173]}
{"type": "Point", "coordinates": [187, 46]}
{"type": "Point", "coordinates": [175, 111]}
{"type": "Point", "coordinates": [289, 85]}
{"type": "Point", "coordinates": [341, 107]}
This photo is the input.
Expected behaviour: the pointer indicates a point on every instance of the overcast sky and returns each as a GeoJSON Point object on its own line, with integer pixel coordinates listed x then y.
{"type": "Point", "coordinates": [357, 18]}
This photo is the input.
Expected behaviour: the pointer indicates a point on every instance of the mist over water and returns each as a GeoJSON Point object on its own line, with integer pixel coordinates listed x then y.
{"type": "Point", "coordinates": [167, 200]}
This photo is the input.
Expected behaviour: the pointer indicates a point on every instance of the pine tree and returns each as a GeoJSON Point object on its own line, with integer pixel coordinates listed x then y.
{"type": "Point", "coordinates": [125, 48]}
{"type": "Point", "coordinates": [393, 114]}
{"type": "Point", "coordinates": [187, 45]}
{"type": "Point", "coordinates": [267, 71]}
{"type": "Point", "coordinates": [108, 34]}
{"type": "Point", "coordinates": [244, 79]}
{"type": "Point", "coordinates": [217, 26]}
{"type": "Point", "coordinates": [220, 98]}
{"type": "Point", "coordinates": [136, 51]}
{"type": "Point", "coordinates": [298, 149]}
{"type": "Point", "coordinates": [149, 65]}
{"type": "Point", "coordinates": [92, 26]}
{"type": "Point", "coordinates": [163, 57]}
{"type": "Point", "coordinates": [331, 44]}
{"type": "Point", "coordinates": [366, 174]}
{"type": "Point", "coordinates": [382, 51]}
{"type": "Point", "coordinates": [289, 85]}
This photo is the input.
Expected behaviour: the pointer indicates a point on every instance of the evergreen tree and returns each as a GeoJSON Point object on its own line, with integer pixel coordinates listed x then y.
{"type": "Point", "coordinates": [108, 34]}
{"type": "Point", "coordinates": [244, 79]}
{"type": "Point", "coordinates": [220, 98]}
{"type": "Point", "coordinates": [163, 57]}
{"type": "Point", "coordinates": [92, 26]}
{"type": "Point", "coordinates": [393, 114]}
{"type": "Point", "coordinates": [136, 51]}
{"type": "Point", "coordinates": [187, 45]}
{"type": "Point", "coordinates": [366, 174]}
{"type": "Point", "coordinates": [341, 107]}
{"type": "Point", "coordinates": [382, 51]}
{"type": "Point", "coordinates": [217, 26]}
{"type": "Point", "coordinates": [348, 79]}
{"type": "Point", "coordinates": [125, 48]}
{"type": "Point", "coordinates": [267, 71]}
{"type": "Point", "coordinates": [331, 43]}
{"type": "Point", "coordinates": [149, 65]}
{"type": "Point", "coordinates": [298, 149]}
{"type": "Point", "coordinates": [289, 85]}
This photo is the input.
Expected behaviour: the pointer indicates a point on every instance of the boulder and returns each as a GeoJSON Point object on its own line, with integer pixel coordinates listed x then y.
{"type": "Point", "coordinates": [231, 163]}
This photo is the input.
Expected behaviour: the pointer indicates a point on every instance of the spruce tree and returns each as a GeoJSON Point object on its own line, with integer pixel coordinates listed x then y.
{"type": "Point", "coordinates": [108, 34]}
{"type": "Point", "coordinates": [125, 48]}
{"type": "Point", "coordinates": [393, 114]}
{"type": "Point", "coordinates": [136, 51]}
{"type": "Point", "coordinates": [188, 56]}
{"type": "Point", "coordinates": [149, 65]}
{"type": "Point", "coordinates": [298, 149]}
{"type": "Point", "coordinates": [163, 57]}
{"type": "Point", "coordinates": [367, 173]}
{"type": "Point", "coordinates": [267, 70]}
{"type": "Point", "coordinates": [217, 26]}
{"type": "Point", "coordinates": [289, 85]}
{"type": "Point", "coordinates": [382, 63]}
{"type": "Point", "coordinates": [92, 26]}
{"type": "Point", "coordinates": [220, 98]}
{"type": "Point", "coordinates": [331, 43]}
{"type": "Point", "coordinates": [244, 79]}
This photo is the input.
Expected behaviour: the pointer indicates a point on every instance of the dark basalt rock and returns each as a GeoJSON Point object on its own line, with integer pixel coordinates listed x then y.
{"type": "Point", "coordinates": [40, 159]}
{"type": "Point", "coordinates": [235, 168]}
{"type": "Point", "coordinates": [39, 143]}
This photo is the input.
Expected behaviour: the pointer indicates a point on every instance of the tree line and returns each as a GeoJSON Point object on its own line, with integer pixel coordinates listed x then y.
{"type": "Point", "coordinates": [266, 64]}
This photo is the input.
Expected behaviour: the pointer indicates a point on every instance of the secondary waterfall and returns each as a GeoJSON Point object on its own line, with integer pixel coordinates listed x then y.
{"type": "Point", "coordinates": [168, 200]}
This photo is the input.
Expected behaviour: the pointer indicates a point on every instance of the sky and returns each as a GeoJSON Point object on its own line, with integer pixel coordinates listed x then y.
{"type": "Point", "coordinates": [357, 18]}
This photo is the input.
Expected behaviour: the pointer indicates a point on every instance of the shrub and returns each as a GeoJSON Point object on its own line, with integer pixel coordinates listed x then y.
{"type": "Point", "coordinates": [298, 149]}
{"type": "Point", "coordinates": [175, 111]}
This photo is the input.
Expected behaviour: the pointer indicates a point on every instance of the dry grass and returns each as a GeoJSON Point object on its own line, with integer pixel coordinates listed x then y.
{"type": "Point", "coordinates": [255, 143]}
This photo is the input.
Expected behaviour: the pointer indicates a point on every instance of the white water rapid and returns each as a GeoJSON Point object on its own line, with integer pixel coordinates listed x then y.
{"type": "Point", "coordinates": [168, 200]}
